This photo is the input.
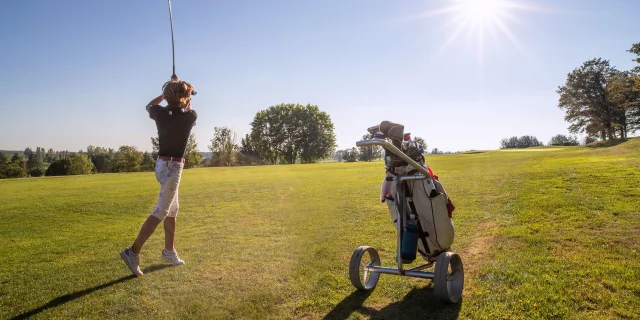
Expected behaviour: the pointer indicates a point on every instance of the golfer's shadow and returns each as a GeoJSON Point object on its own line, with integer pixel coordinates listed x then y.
{"type": "Point", "coordinates": [419, 303]}
{"type": "Point", "coordinates": [78, 294]}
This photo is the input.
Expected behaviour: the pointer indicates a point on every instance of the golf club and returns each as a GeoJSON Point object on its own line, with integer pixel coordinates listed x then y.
{"type": "Point", "coordinates": [173, 52]}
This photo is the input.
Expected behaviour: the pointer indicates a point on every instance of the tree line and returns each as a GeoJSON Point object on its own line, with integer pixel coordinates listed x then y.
{"type": "Point", "coordinates": [531, 141]}
{"type": "Point", "coordinates": [94, 160]}
{"type": "Point", "coordinates": [281, 134]}
{"type": "Point", "coordinates": [602, 101]}
{"type": "Point", "coordinates": [40, 162]}
{"type": "Point", "coordinates": [368, 153]}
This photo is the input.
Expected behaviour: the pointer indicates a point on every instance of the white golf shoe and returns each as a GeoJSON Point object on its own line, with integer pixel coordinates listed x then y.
{"type": "Point", "coordinates": [132, 260]}
{"type": "Point", "coordinates": [171, 257]}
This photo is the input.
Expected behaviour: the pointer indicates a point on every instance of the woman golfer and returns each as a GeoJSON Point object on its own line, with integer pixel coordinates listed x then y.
{"type": "Point", "coordinates": [174, 123]}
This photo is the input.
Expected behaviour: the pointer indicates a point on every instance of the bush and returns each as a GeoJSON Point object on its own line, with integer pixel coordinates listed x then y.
{"type": "Point", "coordinates": [148, 163]}
{"type": "Point", "coordinates": [58, 168]}
{"type": "Point", "coordinates": [127, 159]}
{"type": "Point", "coordinates": [562, 140]}
{"type": "Point", "coordinates": [37, 172]}
{"type": "Point", "coordinates": [14, 171]}
{"type": "Point", "coordinates": [350, 155]}
{"type": "Point", "coordinates": [80, 164]}
{"type": "Point", "coordinates": [521, 142]}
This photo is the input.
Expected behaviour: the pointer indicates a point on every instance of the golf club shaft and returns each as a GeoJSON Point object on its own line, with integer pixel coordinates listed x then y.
{"type": "Point", "coordinates": [173, 52]}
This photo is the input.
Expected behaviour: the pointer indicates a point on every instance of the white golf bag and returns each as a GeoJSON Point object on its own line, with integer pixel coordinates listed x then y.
{"type": "Point", "coordinates": [428, 200]}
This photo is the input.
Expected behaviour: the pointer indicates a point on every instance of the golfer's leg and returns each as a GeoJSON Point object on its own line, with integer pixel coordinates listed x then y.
{"type": "Point", "coordinates": [169, 232]}
{"type": "Point", "coordinates": [167, 193]}
{"type": "Point", "coordinates": [145, 232]}
{"type": "Point", "coordinates": [170, 224]}
{"type": "Point", "coordinates": [159, 213]}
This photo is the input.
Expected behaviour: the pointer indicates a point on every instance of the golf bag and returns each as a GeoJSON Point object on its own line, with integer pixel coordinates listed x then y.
{"type": "Point", "coordinates": [426, 199]}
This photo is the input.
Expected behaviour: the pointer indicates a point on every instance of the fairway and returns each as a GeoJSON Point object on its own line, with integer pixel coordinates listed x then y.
{"type": "Point", "coordinates": [530, 150]}
{"type": "Point", "coordinates": [541, 234]}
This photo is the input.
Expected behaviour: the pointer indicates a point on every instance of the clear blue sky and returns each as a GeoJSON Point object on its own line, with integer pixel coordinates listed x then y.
{"type": "Point", "coordinates": [78, 73]}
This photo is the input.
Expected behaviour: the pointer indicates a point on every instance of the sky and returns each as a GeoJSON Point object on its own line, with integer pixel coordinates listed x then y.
{"type": "Point", "coordinates": [460, 75]}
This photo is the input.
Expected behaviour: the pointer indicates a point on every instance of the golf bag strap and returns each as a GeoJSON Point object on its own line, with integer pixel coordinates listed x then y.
{"type": "Point", "coordinates": [421, 233]}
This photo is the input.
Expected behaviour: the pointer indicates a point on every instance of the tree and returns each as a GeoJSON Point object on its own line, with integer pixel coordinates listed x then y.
{"type": "Point", "coordinates": [521, 142]}
{"type": "Point", "coordinates": [155, 145]}
{"type": "Point", "coordinates": [338, 155]}
{"type": "Point", "coordinates": [50, 156]}
{"type": "Point", "coordinates": [27, 152]}
{"type": "Point", "coordinates": [316, 139]}
{"type": "Point", "coordinates": [14, 168]}
{"type": "Point", "coordinates": [40, 153]}
{"type": "Point", "coordinates": [59, 155]}
{"type": "Point", "coordinates": [32, 161]}
{"type": "Point", "coordinates": [148, 163]}
{"type": "Point", "coordinates": [127, 159]}
{"type": "Point", "coordinates": [17, 167]}
{"type": "Point", "coordinates": [626, 103]}
{"type": "Point", "coordinates": [80, 164]}
{"type": "Point", "coordinates": [247, 154]}
{"type": "Point", "coordinates": [635, 77]}
{"type": "Point", "coordinates": [585, 99]}
{"type": "Point", "coordinates": [588, 140]}
{"type": "Point", "coordinates": [635, 49]}
{"type": "Point", "coordinates": [4, 163]}
{"type": "Point", "coordinates": [421, 142]}
{"type": "Point", "coordinates": [15, 171]}
{"type": "Point", "coordinates": [350, 155]}
{"type": "Point", "coordinates": [562, 140]}
{"type": "Point", "coordinates": [58, 168]}
{"type": "Point", "coordinates": [192, 157]}
{"type": "Point", "coordinates": [223, 146]}
{"type": "Point", "coordinates": [291, 133]}
{"type": "Point", "coordinates": [37, 172]}
{"type": "Point", "coordinates": [436, 151]}
{"type": "Point", "coordinates": [35, 166]}
{"type": "Point", "coordinates": [370, 153]}
{"type": "Point", "coordinates": [17, 159]}
{"type": "Point", "coordinates": [102, 158]}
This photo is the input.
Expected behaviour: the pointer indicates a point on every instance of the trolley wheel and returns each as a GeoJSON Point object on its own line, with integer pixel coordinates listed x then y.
{"type": "Point", "coordinates": [360, 278]}
{"type": "Point", "coordinates": [448, 280]}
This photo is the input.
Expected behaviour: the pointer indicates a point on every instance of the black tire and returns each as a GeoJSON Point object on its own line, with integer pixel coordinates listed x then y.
{"type": "Point", "coordinates": [448, 280]}
{"type": "Point", "coordinates": [361, 279]}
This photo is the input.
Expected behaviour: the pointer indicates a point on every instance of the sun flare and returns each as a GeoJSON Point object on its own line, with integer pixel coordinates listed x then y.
{"type": "Point", "coordinates": [479, 20]}
{"type": "Point", "coordinates": [481, 11]}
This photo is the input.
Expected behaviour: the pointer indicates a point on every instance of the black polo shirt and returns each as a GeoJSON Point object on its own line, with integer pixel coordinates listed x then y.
{"type": "Point", "coordinates": [174, 126]}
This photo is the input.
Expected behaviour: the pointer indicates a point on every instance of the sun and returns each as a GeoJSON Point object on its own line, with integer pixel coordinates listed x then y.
{"type": "Point", "coordinates": [479, 20]}
{"type": "Point", "coordinates": [480, 11]}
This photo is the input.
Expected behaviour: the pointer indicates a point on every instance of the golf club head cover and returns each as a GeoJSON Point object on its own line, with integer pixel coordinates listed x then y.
{"type": "Point", "coordinates": [393, 131]}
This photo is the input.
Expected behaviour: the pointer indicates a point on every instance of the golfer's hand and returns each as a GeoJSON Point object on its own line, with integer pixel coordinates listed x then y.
{"type": "Point", "coordinates": [156, 100]}
{"type": "Point", "coordinates": [174, 78]}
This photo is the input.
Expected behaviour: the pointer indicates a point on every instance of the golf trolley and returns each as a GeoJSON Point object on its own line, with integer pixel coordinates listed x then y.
{"type": "Point", "coordinates": [365, 266]}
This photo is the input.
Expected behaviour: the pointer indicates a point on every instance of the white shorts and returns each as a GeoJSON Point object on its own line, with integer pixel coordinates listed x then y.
{"type": "Point", "coordinates": [168, 173]}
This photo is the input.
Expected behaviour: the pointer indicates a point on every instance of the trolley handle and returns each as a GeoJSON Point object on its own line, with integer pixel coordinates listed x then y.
{"type": "Point", "coordinates": [394, 150]}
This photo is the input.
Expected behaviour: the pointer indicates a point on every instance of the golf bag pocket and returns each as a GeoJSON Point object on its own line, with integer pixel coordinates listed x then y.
{"type": "Point", "coordinates": [443, 226]}
{"type": "Point", "coordinates": [431, 207]}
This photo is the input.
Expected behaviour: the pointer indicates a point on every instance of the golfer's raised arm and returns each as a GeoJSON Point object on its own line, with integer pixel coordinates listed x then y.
{"type": "Point", "coordinates": [154, 102]}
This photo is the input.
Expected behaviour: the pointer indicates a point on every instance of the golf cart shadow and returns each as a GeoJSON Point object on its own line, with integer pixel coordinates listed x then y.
{"type": "Point", "coordinates": [419, 303]}
{"type": "Point", "coordinates": [78, 294]}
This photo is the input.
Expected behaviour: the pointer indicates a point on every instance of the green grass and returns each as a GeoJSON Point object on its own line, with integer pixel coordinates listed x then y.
{"type": "Point", "coordinates": [542, 235]}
